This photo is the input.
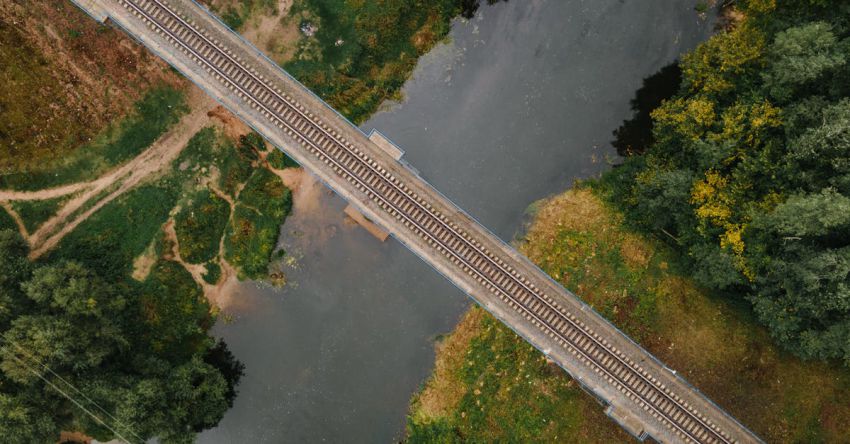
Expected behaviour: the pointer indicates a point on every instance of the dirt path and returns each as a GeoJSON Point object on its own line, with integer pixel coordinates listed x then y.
{"type": "Point", "coordinates": [120, 180]}
{"type": "Point", "coordinates": [48, 193]}
{"type": "Point", "coordinates": [16, 217]}
{"type": "Point", "coordinates": [218, 294]}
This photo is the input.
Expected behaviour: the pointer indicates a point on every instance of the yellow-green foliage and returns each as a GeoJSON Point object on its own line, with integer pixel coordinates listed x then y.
{"type": "Point", "coordinates": [759, 127]}
{"type": "Point", "coordinates": [689, 118]}
{"type": "Point", "coordinates": [716, 65]}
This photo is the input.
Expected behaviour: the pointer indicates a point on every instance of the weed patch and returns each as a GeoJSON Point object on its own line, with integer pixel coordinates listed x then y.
{"type": "Point", "coordinates": [36, 212]}
{"type": "Point", "coordinates": [112, 237]}
{"type": "Point", "coordinates": [252, 235]}
{"type": "Point", "coordinates": [199, 226]}
{"type": "Point", "coordinates": [362, 52]}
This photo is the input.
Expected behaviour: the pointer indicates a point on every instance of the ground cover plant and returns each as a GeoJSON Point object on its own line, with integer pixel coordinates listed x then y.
{"type": "Point", "coordinates": [199, 226]}
{"type": "Point", "coordinates": [34, 213]}
{"type": "Point", "coordinates": [362, 52]}
{"type": "Point", "coordinates": [255, 225]}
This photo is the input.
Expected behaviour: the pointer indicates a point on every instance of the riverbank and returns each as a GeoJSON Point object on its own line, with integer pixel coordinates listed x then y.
{"type": "Point", "coordinates": [490, 385]}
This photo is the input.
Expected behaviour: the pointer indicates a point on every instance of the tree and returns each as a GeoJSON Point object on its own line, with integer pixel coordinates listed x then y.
{"type": "Point", "coordinates": [800, 55]}
{"type": "Point", "coordinates": [192, 397]}
{"type": "Point", "coordinates": [22, 422]}
{"type": "Point", "coordinates": [821, 156]}
{"type": "Point", "coordinates": [14, 269]}
{"type": "Point", "coordinates": [71, 328]}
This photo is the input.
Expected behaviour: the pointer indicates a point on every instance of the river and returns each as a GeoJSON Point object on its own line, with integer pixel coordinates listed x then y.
{"type": "Point", "coordinates": [520, 103]}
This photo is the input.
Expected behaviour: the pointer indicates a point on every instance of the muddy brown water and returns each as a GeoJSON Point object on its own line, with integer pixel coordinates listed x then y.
{"type": "Point", "coordinates": [520, 103]}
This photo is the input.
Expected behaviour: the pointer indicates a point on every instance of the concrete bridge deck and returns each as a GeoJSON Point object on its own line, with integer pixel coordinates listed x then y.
{"type": "Point", "coordinates": [640, 393]}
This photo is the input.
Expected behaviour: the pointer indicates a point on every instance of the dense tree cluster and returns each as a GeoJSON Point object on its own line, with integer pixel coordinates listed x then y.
{"type": "Point", "coordinates": [749, 169]}
{"type": "Point", "coordinates": [79, 353]}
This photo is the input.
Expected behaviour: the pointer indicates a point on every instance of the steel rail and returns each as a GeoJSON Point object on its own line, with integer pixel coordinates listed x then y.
{"type": "Point", "coordinates": [438, 217]}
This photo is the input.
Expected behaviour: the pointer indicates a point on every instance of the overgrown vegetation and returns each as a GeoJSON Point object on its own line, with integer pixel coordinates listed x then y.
{"type": "Point", "coordinates": [35, 212]}
{"type": "Point", "coordinates": [489, 385]}
{"type": "Point", "coordinates": [199, 226]}
{"type": "Point", "coordinates": [255, 225]}
{"type": "Point", "coordinates": [748, 172]}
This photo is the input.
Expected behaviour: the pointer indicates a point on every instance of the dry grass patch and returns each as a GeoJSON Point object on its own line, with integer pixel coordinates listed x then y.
{"type": "Point", "coordinates": [442, 393]}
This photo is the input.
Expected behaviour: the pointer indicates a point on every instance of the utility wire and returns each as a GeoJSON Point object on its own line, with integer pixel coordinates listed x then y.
{"type": "Point", "coordinates": [33, 358]}
{"type": "Point", "coordinates": [70, 398]}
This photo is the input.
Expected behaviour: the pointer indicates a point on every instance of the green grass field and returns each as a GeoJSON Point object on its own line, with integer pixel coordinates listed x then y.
{"type": "Point", "coordinates": [113, 236]}
{"type": "Point", "coordinates": [36, 212]}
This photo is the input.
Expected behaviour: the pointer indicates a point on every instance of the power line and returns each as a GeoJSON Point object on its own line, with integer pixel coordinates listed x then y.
{"type": "Point", "coordinates": [33, 358]}
{"type": "Point", "coordinates": [70, 398]}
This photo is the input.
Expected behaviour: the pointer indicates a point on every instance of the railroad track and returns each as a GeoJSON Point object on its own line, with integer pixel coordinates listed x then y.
{"type": "Point", "coordinates": [445, 236]}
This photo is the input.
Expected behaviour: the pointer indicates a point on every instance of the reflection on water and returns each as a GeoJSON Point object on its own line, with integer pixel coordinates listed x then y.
{"type": "Point", "coordinates": [520, 103]}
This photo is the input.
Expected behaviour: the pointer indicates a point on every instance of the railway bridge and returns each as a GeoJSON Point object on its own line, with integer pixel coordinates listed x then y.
{"type": "Point", "coordinates": [639, 392]}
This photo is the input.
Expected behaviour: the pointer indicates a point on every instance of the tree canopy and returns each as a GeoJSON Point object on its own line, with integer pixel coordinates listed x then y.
{"type": "Point", "coordinates": [747, 169]}
{"type": "Point", "coordinates": [80, 353]}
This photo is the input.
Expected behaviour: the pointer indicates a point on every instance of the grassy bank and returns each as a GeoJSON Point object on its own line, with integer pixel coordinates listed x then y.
{"type": "Point", "coordinates": [490, 385]}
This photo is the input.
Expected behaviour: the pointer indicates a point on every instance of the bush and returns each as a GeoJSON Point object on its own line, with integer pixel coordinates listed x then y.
{"type": "Point", "coordinates": [200, 225]}
{"type": "Point", "coordinates": [253, 232]}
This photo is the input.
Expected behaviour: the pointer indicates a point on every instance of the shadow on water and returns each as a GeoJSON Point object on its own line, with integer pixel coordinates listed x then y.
{"type": "Point", "coordinates": [634, 136]}
{"type": "Point", "coordinates": [468, 8]}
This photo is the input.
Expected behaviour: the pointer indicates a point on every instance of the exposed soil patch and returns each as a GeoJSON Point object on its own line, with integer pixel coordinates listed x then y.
{"type": "Point", "coordinates": [233, 127]}
{"type": "Point", "coordinates": [143, 264]}
{"type": "Point", "coordinates": [277, 35]}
